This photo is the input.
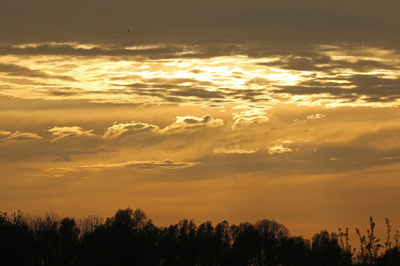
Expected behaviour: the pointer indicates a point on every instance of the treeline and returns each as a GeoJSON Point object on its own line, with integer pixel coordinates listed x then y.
{"type": "Point", "coordinates": [131, 238]}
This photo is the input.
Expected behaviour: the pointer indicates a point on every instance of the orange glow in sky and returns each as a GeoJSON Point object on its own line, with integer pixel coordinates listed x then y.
{"type": "Point", "coordinates": [211, 111]}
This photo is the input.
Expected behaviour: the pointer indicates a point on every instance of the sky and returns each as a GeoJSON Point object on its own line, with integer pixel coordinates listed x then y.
{"type": "Point", "coordinates": [205, 110]}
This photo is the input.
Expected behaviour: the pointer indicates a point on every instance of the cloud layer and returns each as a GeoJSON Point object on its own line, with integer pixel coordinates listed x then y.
{"type": "Point", "coordinates": [275, 108]}
{"type": "Point", "coordinates": [331, 76]}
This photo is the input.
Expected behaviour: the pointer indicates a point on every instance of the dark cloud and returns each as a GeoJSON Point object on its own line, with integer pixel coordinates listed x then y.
{"type": "Point", "coordinates": [162, 82]}
{"type": "Point", "coordinates": [65, 91]}
{"type": "Point", "coordinates": [172, 90]}
{"type": "Point", "coordinates": [20, 71]}
{"type": "Point", "coordinates": [62, 158]}
{"type": "Point", "coordinates": [370, 88]}
{"type": "Point", "coordinates": [259, 80]}
{"type": "Point", "coordinates": [179, 93]}
{"type": "Point", "coordinates": [305, 90]}
{"type": "Point", "coordinates": [200, 93]}
{"type": "Point", "coordinates": [326, 64]}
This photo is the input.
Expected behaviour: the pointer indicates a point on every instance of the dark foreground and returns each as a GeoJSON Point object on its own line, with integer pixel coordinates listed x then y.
{"type": "Point", "coordinates": [130, 238]}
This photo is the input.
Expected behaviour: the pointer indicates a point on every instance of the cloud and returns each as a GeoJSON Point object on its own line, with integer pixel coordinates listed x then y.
{"type": "Point", "coordinates": [176, 89]}
{"type": "Point", "coordinates": [298, 121]}
{"type": "Point", "coordinates": [146, 165]}
{"type": "Point", "coordinates": [325, 63]}
{"type": "Point", "coordinates": [66, 49]}
{"type": "Point", "coordinates": [285, 141]}
{"type": "Point", "coordinates": [4, 134]}
{"type": "Point", "coordinates": [21, 71]}
{"type": "Point", "coordinates": [125, 129]}
{"type": "Point", "coordinates": [17, 136]}
{"type": "Point", "coordinates": [315, 117]}
{"type": "Point", "coordinates": [260, 81]}
{"type": "Point", "coordinates": [190, 123]}
{"type": "Point", "coordinates": [390, 158]}
{"type": "Point", "coordinates": [247, 106]}
{"type": "Point", "coordinates": [309, 117]}
{"type": "Point", "coordinates": [182, 124]}
{"type": "Point", "coordinates": [350, 89]}
{"type": "Point", "coordinates": [278, 148]}
{"type": "Point", "coordinates": [236, 149]}
{"type": "Point", "coordinates": [64, 133]}
{"type": "Point", "coordinates": [170, 80]}
{"type": "Point", "coordinates": [334, 159]}
{"type": "Point", "coordinates": [249, 117]}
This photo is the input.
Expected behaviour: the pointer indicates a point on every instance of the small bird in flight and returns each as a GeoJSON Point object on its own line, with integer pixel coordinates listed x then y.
{"type": "Point", "coordinates": [128, 30]}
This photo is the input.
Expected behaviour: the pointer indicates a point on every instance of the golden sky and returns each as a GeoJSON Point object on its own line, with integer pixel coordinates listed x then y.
{"type": "Point", "coordinates": [210, 110]}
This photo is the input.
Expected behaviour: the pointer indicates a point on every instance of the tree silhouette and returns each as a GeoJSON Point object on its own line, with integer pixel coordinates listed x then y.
{"type": "Point", "coordinates": [123, 240]}
{"type": "Point", "coordinates": [47, 239]}
{"type": "Point", "coordinates": [16, 240]}
{"type": "Point", "coordinates": [295, 251]}
{"type": "Point", "coordinates": [246, 247]}
{"type": "Point", "coordinates": [186, 242]}
{"type": "Point", "coordinates": [206, 244]}
{"type": "Point", "coordinates": [272, 234]}
{"type": "Point", "coordinates": [169, 245]}
{"type": "Point", "coordinates": [223, 242]}
{"type": "Point", "coordinates": [130, 238]}
{"type": "Point", "coordinates": [69, 241]}
{"type": "Point", "coordinates": [325, 249]}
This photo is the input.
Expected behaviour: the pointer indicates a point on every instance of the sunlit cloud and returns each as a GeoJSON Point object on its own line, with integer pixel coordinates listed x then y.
{"type": "Point", "coordinates": [278, 148]}
{"type": "Point", "coordinates": [17, 136]}
{"type": "Point", "coordinates": [144, 165]}
{"type": "Point", "coordinates": [249, 117]}
{"type": "Point", "coordinates": [327, 77]}
{"type": "Point", "coordinates": [236, 149]}
{"type": "Point", "coordinates": [285, 141]}
{"type": "Point", "coordinates": [390, 158]}
{"type": "Point", "coordinates": [124, 129]}
{"type": "Point", "coordinates": [309, 117]}
{"type": "Point", "coordinates": [4, 134]}
{"type": "Point", "coordinates": [65, 133]}
{"type": "Point", "coordinates": [190, 123]}
{"type": "Point", "coordinates": [315, 117]}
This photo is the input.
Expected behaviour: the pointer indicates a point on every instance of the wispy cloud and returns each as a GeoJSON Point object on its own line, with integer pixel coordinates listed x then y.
{"type": "Point", "coordinates": [14, 70]}
{"type": "Point", "coordinates": [64, 133]}
{"type": "Point", "coordinates": [144, 165]}
{"type": "Point", "coordinates": [236, 149]}
{"type": "Point", "coordinates": [390, 158]}
{"type": "Point", "coordinates": [17, 136]}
